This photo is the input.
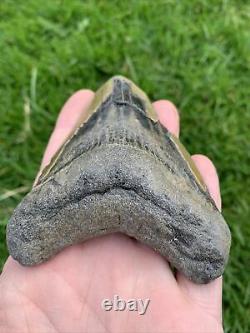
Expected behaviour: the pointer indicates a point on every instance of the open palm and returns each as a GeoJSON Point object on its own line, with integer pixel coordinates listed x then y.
{"type": "Point", "coordinates": [65, 294]}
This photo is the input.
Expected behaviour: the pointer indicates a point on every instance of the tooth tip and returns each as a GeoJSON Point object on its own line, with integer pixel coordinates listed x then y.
{"type": "Point", "coordinates": [120, 77]}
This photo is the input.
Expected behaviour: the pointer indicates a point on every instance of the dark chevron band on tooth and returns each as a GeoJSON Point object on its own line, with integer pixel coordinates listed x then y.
{"type": "Point", "coordinates": [121, 171]}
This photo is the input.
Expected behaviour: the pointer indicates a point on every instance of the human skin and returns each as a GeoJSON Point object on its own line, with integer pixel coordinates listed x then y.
{"type": "Point", "coordinates": [65, 293]}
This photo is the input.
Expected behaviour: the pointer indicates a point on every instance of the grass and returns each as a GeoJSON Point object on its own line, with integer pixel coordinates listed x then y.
{"type": "Point", "coordinates": [195, 53]}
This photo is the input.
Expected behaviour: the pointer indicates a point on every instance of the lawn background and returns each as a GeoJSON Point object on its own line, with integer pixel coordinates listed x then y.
{"type": "Point", "coordinates": [195, 53]}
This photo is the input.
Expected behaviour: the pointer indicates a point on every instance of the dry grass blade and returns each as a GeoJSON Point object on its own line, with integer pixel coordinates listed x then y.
{"type": "Point", "coordinates": [12, 193]}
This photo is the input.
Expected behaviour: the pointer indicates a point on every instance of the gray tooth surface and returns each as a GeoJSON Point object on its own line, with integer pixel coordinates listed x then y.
{"type": "Point", "coordinates": [121, 171]}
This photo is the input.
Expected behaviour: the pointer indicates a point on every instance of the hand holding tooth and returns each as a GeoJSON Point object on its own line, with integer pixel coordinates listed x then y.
{"type": "Point", "coordinates": [66, 292]}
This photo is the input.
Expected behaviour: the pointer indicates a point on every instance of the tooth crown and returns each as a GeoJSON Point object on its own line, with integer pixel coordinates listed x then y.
{"type": "Point", "coordinates": [120, 170]}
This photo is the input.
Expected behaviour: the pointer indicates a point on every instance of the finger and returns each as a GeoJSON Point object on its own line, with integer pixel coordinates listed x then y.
{"type": "Point", "coordinates": [68, 117]}
{"type": "Point", "coordinates": [208, 296]}
{"type": "Point", "coordinates": [210, 177]}
{"type": "Point", "coordinates": [168, 116]}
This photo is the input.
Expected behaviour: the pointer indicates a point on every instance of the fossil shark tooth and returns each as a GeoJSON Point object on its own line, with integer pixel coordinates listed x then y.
{"type": "Point", "coordinates": [120, 170]}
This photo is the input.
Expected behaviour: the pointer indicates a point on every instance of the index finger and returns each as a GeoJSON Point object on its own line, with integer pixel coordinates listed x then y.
{"type": "Point", "coordinates": [74, 107]}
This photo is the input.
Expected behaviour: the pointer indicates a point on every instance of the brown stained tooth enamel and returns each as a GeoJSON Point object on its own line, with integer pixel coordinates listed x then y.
{"type": "Point", "coordinates": [122, 171]}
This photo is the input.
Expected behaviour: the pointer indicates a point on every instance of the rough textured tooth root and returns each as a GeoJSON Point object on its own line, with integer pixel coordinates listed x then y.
{"type": "Point", "coordinates": [122, 171]}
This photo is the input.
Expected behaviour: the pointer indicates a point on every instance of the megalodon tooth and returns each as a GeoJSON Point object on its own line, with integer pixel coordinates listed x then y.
{"type": "Point", "coordinates": [120, 170]}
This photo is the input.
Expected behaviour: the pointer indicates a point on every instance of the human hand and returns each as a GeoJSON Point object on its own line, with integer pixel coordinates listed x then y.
{"type": "Point", "coordinates": [65, 293]}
